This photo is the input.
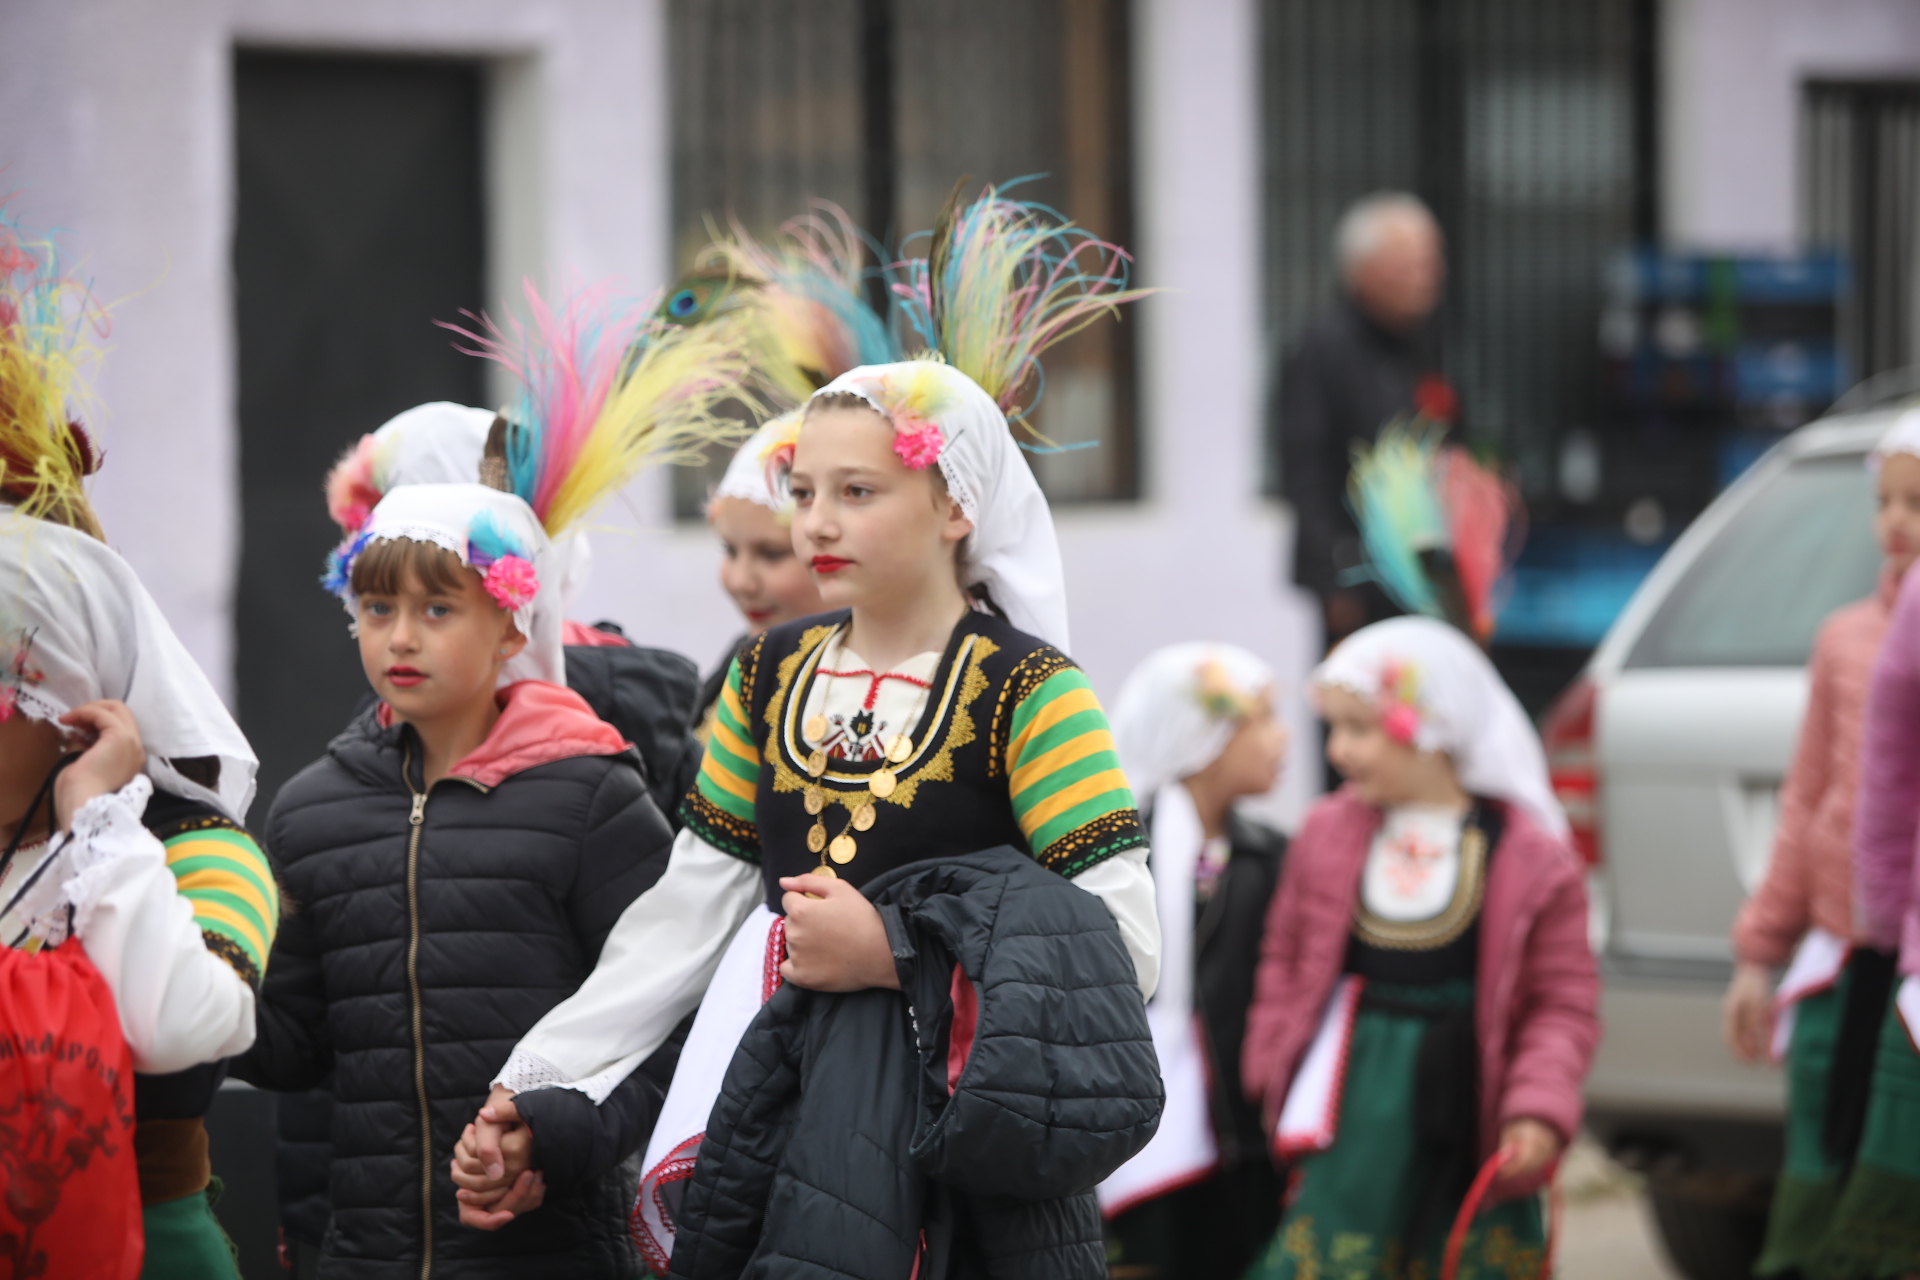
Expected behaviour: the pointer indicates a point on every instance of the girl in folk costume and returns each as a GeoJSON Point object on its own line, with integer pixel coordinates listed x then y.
{"type": "Point", "coordinates": [934, 715]}
{"type": "Point", "coordinates": [645, 693]}
{"type": "Point", "coordinates": [1875, 1227]}
{"type": "Point", "coordinates": [1825, 1018]}
{"type": "Point", "coordinates": [1196, 731]}
{"type": "Point", "coordinates": [462, 850]}
{"type": "Point", "coordinates": [803, 292]}
{"type": "Point", "coordinates": [123, 784]}
{"type": "Point", "coordinates": [1426, 999]}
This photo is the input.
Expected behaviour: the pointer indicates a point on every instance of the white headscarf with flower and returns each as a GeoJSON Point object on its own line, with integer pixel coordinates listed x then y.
{"type": "Point", "coordinates": [1179, 707]}
{"type": "Point", "coordinates": [752, 475]}
{"type": "Point", "coordinates": [493, 533]}
{"type": "Point", "coordinates": [941, 415]}
{"type": "Point", "coordinates": [1436, 691]}
{"type": "Point", "coordinates": [439, 442]}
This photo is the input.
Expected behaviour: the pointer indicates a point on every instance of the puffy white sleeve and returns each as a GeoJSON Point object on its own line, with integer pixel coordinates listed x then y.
{"type": "Point", "coordinates": [653, 970]}
{"type": "Point", "coordinates": [1125, 884]}
{"type": "Point", "coordinates": [180, 1005]}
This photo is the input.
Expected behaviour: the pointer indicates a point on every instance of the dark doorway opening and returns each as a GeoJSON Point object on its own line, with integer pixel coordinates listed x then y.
{"type": "Point", "coordinates": [360, 221]}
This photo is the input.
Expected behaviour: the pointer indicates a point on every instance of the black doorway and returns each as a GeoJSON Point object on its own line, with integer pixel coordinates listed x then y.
{"type": "Point", "coordinates": [360, 221]}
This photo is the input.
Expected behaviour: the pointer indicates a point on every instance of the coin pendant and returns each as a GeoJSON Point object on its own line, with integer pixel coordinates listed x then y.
{"type": "Point", "coordinates": [902, 748]}
{"type": "Point", "coordinates": [824, 870]}
{"type": "Point", "coordinates": [842, 849]}
{"type": "Point", "coordinates": [816, 837]}
{"type": "Point", "coordinates": [817, 763]}
{"type": "Point", "coordinates": [815, 801]}
{"type": "Point", "coordinates": [816, 729]}
{"type": "Point", "coordinates": [882, 783]}
{"type": "Point", "coordinates": [863, 818]}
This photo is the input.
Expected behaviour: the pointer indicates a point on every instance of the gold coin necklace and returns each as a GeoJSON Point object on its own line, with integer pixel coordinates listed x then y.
{"type": "Point", "coordinates": [880, 784]}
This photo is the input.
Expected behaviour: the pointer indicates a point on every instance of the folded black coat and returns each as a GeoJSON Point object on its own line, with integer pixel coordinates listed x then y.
{"type": "Point", "coordinates": [857, 1134]}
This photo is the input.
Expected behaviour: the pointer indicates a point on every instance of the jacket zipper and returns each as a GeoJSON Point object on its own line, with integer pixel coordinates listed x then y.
{"type": "Point", "coordinates": [415, 821]}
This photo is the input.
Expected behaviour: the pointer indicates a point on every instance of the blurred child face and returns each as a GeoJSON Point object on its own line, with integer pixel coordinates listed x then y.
{"type": "Point", "coordinates": [1250, 763]}
{"type": "Point", "coordinates": [29, 749]}
{"type": "Point", "coordinates": [1896, 520]}
{"type": "Point", "coordinates": [867, 527]}
{"type": "Point", "coordinates": [1381, 770]}
{"type": "Point", "coordinates": [434, 654]}
{"type": "Point", "coordinates": [767, 581]}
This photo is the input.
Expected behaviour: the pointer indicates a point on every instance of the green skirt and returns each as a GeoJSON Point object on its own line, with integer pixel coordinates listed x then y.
{"type": "Point", "coordinates": [1876, 1225]}
{"type": "Point", "coordinates": [1352, 1203]}
{"type": "Point", "coordinates": [1808, 1190]}
{"type": "Point", "coordinates": [185, 1241]}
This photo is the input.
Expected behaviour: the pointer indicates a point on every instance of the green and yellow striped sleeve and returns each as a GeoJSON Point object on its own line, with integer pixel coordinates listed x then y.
{"type": "Point", "coordinates": [719, 809]}
{"type": "Point", "coordinates": [1069, 794]}
{"type": "Point", "coordinates": [224, 875]}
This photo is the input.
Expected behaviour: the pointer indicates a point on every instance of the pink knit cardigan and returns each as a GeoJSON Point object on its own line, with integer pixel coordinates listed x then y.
{"type": "Point", "coordinates": [1537, 987]}
{"type": "Point", "coordinates": [1810, 878]}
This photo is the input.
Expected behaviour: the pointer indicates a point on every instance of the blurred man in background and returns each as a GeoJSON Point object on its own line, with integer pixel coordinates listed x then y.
{"type": "Point", "coordinates": [1366, 360]}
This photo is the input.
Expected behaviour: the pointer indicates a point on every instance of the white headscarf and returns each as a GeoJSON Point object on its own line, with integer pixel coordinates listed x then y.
{"type": "Point", "coordinates": [1902, 437]}
{"type": "Point", "coordinates": [447, 515]}
{"type": "Point", "coordinates": [76, 626]}
{"type": "Point", "coordinates": [1434, 686]}
{"type": "Point", "coordinates": [748, 477]}
{"type": "Point", "coordinates": [434, 443]}
{"type": "Point", "coordinates": [1012, 550]}
{"type": "Point", "coordinates": [441, 443]}
{"type": "Point", "coordinates": [1178, 709]}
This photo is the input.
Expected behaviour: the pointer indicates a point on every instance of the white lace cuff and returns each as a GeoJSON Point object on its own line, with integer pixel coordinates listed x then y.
{"type": "Point", "coordinates": [526, 1071]}
{"type": "Point", "coordinates": [106, 833]}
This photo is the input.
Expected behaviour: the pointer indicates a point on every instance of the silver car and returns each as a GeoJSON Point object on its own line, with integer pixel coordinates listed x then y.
{"type": "Point", "coordinates": [1669, 753]}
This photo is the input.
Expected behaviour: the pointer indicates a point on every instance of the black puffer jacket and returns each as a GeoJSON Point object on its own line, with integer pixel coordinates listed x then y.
{"type": "Point", "coordinates": [649, 696]}
{"type": "Point", "coordinates": [413, 959]}
{"type": "Point", "coordinates": [652, 696]}
{"type": "Point", "coordinates": [837, 1141]}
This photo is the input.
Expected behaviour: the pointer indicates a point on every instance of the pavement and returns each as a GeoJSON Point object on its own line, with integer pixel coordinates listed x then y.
{"type": "Point", "coordinates": [1606, 1226]}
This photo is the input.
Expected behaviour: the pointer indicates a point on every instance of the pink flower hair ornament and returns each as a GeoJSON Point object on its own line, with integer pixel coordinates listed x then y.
{"type": "Point", "coordinates": [917, 442]}
{"type": "Point", "coordinates": [1399, 702]}
{"type": "Point", "coordinates": [512, 582]}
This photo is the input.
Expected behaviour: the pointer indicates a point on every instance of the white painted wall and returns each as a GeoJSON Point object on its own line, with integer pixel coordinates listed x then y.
{"type": "Point", "coordinates": [119, 132]}
{"type": "Point", "coordinates": [1730, 100]}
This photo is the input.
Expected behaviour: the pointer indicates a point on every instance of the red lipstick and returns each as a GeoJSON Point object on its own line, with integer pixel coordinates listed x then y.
{"type": "Point", "coordinates": [405, 677]}
{"type": "Point", "coordinates": [829, 564]}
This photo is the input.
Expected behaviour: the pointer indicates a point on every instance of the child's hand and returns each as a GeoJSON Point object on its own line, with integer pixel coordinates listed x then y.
{"type": "Point", "coordinates": [113, 755]}
{"type": "Point", "coordinates": [835, 940]}
{"type": "Point", "coordinates": [490, 1166]}
{"type": "Point", "coordinates": [1746, 1015]}
{"type": "Point", "coordinates": [1529, 1147]}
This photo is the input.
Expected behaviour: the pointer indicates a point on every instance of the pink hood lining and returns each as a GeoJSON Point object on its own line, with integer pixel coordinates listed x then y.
{"type": "Point", "coordinates": [539, 723]}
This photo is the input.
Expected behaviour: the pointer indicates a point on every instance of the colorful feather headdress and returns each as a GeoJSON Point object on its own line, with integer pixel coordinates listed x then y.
{"type": "Point", "coordinates": [606, 388]}
{"type": "Point", "coordinates": [801, 295]}
{"type": "Point", "coordinates": [1003, 280]}
{"type": "Point", "coordinates": [51, 328]}
{"type": "Point", "coordinates": [1440, 531]}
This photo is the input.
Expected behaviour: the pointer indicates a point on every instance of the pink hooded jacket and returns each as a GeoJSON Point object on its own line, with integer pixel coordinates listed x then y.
{"type": "Point", "coordinates": [1809, 879]}
{"type": "Point", "coordinates": [1538, 989]}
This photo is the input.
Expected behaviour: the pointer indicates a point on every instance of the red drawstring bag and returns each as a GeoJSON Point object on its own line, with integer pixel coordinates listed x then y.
{"type": "Point", "coordinates": [69, 1191]}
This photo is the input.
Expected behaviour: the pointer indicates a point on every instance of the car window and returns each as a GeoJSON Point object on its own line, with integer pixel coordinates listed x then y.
{"type": "Point", "coordinates": [1798, 549]}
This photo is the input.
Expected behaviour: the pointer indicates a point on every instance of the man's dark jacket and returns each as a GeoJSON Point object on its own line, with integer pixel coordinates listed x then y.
{"type": "Point", "coordinates": [516, 890]}
{"type": "Point", "coordinates": [1344, 380]}
{"type": "Point", "coordinates": [838, 1148]}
